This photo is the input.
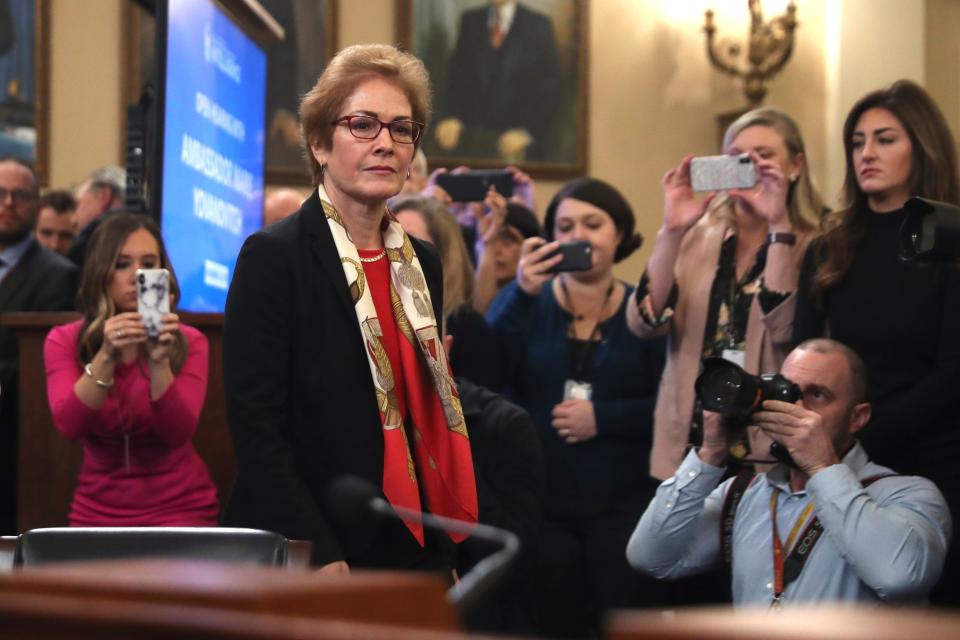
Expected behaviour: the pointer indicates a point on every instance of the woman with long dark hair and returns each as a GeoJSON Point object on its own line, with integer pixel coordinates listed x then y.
{"type": "Point", "coordinates": [133, 401]}
{"type": "Point", "coordinates": [901, 318]}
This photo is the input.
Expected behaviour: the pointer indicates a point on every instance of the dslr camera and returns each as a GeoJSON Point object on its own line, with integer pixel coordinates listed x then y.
{"type": "Point", "coordinates": [725, 388]}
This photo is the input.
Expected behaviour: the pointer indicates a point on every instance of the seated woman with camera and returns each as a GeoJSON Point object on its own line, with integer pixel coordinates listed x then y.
{"type": "Point", "coordinates": [133, 400]}
{"type": "Point", "coordinates": [589, 386]}
{"type": "Point", "coordinates": [721, 278]}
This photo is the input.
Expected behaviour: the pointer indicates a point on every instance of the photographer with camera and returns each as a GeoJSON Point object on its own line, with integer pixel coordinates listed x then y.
{"type": "Point", "coordinates": [886, 534]}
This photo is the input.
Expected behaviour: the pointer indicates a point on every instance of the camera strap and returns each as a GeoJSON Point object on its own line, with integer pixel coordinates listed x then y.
{"type": "Point", "coordinates": [786, 570]}
{"type": "Point", "coordinates": [729, 511]}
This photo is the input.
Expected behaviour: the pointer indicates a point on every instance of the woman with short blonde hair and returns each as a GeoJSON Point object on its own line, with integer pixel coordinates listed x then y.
{"type": "Point", "coordinates": [722, 277]}
{"type": "Point", "coordinates": [333, 360]}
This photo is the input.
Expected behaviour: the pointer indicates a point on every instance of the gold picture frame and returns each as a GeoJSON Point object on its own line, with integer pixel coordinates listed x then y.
{"type": "Point", "coordinates": [25, 82]}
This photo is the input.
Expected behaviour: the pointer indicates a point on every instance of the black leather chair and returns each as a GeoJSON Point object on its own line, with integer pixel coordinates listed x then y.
{"type": "Point", "coordinates": [8, 545]}
{"type": "Point", "coordinates": [220, 544]}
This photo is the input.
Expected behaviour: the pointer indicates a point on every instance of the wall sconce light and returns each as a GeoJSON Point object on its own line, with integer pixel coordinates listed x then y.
{"type": "Point", "coordinates": [768, 49]}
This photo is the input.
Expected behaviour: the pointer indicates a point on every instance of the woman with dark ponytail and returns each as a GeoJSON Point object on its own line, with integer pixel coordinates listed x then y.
{"type": "Point", "coordinates": [589, 386]}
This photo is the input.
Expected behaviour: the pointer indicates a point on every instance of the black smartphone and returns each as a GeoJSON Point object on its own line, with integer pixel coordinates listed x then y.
{"type": "Point", "coordinates": [577, 256]}
{"type": "Point", "coordinates": [472, 186]}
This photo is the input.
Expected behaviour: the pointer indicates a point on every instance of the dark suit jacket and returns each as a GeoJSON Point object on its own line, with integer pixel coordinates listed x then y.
{"type": "Point", "coordinates": [515, 86]}
{"type": "Point", "coordinates": [41, 281]}
{"type": "Point", "coordinates": [78, 250]}
{"type": "Point", "coordinates": [300, 398]}
{"type": "Point", "coordinates": [509, 467]}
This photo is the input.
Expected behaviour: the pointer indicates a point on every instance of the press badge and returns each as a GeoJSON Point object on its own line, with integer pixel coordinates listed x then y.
{"type": "Point", "coordinates": [736, 356]}
{"type": "Point", "coordinates": [576, 390]}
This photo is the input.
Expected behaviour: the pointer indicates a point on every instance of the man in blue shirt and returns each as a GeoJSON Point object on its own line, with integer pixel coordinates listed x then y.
{"type": "Point", "coordinates": [831, 527]}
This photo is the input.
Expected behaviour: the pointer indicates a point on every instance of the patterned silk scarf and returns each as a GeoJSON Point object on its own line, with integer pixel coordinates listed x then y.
{"type": "Point", "coordinates": [441, 447]}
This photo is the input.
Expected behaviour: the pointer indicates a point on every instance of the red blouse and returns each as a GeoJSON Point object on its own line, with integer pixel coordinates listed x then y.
{"type": "Point", "coordinates": [378, 279]}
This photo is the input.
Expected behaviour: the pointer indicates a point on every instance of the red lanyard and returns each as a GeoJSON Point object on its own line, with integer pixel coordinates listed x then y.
{"type": "Point", "coordinates": [779, 559]}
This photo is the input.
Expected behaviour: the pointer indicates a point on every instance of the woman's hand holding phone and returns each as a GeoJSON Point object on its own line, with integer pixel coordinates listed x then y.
{"type": "Point", "coordinates": [533, 269]}
{"type": "Point", "coordinates": [122, 330]}
{"type": "Point", "coordinates": [158, 349]}
{"type": "Point", "coordinates": [491, 217]}
{"type": "Point", "coordinates": [769, 197]}
{"type": "Point", "coordinates": [681, 208]}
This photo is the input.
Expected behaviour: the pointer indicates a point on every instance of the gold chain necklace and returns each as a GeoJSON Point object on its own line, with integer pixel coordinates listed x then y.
{"type": "Point", "coordinates": [379, 256]}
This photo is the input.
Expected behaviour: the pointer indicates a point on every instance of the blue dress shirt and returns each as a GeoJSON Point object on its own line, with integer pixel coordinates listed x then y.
{"type": "Point", "coordinates": [885, 542]}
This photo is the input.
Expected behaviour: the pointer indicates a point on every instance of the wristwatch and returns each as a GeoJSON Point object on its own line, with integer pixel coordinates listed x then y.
{"type": "Point", "coordinates": [784, 238]}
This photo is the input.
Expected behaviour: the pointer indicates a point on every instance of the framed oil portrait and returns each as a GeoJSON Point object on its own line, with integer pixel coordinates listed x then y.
{"type": "Point", "coordinates": [293, 66]}
{"type": "Point", "coordinates": [292, 69]}
{"type": "Point", "coordinates": [24, 45]}
{"type": "Point", "coordinates": [509, 80]}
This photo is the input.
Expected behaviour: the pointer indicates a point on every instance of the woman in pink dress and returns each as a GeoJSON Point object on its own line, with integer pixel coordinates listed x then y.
{"type": "Point", "coordinates": [133, 401]}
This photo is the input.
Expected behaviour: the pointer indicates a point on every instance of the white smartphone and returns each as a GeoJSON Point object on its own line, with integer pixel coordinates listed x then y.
{"type": "Point", "coordinates": [718, 173]}
{"type": "Point", "coordinates": [153, 298]}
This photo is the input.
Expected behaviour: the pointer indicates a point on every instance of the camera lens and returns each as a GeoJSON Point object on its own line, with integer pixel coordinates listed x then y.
{"type": "Point", "coordinates": [726, 388]}
{"type": "Point", "coordinates": [141, 278]}
{"type": "Point", "coordinates": [720, 388]}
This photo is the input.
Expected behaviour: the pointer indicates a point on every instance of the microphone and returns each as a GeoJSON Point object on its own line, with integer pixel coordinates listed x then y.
{"type": "Point", "coordinates": [353, 500]}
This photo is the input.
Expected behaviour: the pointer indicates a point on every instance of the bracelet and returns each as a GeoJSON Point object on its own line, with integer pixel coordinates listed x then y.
{"type": "Point", "coordinates": [88, 370]}
{"type": "Point", "coordinates": [783, 238]}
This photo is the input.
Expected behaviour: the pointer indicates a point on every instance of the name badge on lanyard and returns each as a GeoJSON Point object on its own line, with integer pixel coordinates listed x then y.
{"type": "Point", "coordinates": [577, 390]}
{"type": "Point", "coordinates": [736, 356]}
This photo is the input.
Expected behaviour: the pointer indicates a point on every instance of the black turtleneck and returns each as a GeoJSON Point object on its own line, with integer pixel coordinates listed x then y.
{"type": "Point", "coordinates": [904, 321]}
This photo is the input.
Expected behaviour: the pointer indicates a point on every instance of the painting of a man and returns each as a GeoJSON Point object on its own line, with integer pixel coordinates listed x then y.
{"type": "Point", "coordinates": [506, 74]}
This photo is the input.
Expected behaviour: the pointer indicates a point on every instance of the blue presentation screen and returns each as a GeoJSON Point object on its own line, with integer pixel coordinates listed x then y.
{"type": "Point", "coordinates": [213, 149]}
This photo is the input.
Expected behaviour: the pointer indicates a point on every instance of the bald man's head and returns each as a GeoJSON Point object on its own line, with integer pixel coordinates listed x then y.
{"type": "Point", "coordinates": [279, 204]}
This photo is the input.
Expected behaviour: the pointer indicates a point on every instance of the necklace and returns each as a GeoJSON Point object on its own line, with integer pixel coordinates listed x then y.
{"type": "Point", "coordinates": [379, 256]}
{"type": "Point", "coordinates": [580, 317]}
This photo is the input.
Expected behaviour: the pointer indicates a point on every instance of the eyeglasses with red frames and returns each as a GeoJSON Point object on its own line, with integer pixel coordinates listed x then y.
{"type": "Point", "coordinates": [368, 128]}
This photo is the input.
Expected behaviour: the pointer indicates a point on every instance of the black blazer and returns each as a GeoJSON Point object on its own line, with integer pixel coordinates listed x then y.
{"type": "Point", "coordinates": [300, 399]}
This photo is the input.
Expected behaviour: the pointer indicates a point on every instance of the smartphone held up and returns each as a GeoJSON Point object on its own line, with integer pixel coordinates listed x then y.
{"type": "Point", "coordinates": [719, 173]}
{"type": "Point", "coordinates": [577, 256]}
{"type": "Point", "coordinates": [472, 186]}
{"type": "Point", "coordinates": [153, 298]}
